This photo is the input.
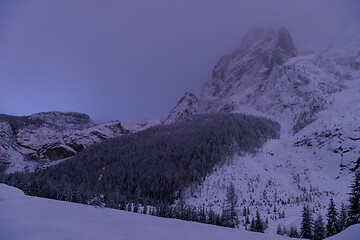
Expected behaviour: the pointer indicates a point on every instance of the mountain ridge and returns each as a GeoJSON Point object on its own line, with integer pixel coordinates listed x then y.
{"type": "Point", "coordinates": [31, 142]}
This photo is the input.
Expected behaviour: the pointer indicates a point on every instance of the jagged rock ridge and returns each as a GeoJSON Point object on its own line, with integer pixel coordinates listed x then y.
{"type": "Point", "coordinates": [266, 74]}
{"type": "Point", "coordinates": [316, 99]}
{"type": "Point", "coordinates": [186, 106]}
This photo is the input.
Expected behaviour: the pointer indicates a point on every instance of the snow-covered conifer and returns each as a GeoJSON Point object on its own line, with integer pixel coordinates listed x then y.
{"type": "Point", "coordinates": [331, 226]}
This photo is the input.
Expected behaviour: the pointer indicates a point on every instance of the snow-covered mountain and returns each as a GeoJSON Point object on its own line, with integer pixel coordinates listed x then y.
{"type": "Point", "coordinates": [266, 76]}
{"type": "Point", "coordinates": [316, 99]}
{"type": "Point", "coordinates": [41, 139]}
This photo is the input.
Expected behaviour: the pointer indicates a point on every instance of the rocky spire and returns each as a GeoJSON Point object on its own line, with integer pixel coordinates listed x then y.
{"type": "Point", "coordinates": [285, 43]}
{"type": "Point", "coordinates": [186, 106]}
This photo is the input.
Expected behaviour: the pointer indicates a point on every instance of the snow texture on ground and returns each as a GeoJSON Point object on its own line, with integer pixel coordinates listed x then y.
{"type": "Point", "coordinates": [30, 218]}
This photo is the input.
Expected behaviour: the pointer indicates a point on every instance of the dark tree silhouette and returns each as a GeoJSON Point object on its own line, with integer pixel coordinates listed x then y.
{"type": "Point", "coordinates": [319, 228]}
{"type": "Point", "coordinates": [230, 215]}
{"type": "Point", "coordinates": [293, 232]}
{"type": "Point", "coordinates": [342, 223]}
{"type": "Point", "coordinates": [354, 207]}
{"type": "Point", "coordinates": [257, 225]}
{"type": "Point", "coordinates": [306, 223]}
{"type": "Point", "coordinates": [331, 226]}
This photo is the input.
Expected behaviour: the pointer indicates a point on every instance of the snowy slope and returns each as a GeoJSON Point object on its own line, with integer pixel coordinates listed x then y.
{"type": "Point", "coordinates": [140, 125]}
{"type": "Point", "coordinates": [296, 169]}
{"type": "Point", "coordinates": [31, 218]}
{"type": "Point", "coordinates": [30, 142]}
{"type": "Point", "coordinates": [316, 99]}
{"type": "Point", "coordinates": [351, 233]}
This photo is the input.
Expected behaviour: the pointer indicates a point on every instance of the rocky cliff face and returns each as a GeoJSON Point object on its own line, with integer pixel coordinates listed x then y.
{"type": "Point", "coordinates": [186, 106]}
{"type": "Point", "coordinates": [315, 98]}
{"type": "Point", "coordinates": [36, 140]}
{"type": "Point", "coordinates": [266, 76]}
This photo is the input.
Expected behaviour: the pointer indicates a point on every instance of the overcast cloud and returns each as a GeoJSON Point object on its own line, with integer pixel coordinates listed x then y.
{"type": "Point", "coordinates": [135, 59]}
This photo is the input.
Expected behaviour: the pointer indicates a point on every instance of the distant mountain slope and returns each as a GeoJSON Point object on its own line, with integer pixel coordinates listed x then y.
{"type": "Point", "coordinates": [34, 141]}
{"type": "Point", "coordinates": [151, 166]}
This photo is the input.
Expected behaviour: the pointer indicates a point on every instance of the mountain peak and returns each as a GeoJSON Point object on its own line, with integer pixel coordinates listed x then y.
{"type": "Point", "coordinates": [257, 36]}
{"type": "Point", "coordinates": [285, 42]}
{"type": "Point", "coordinates": [259, 75]}
{"type": "Point", "coordinates": [186, 106]}
{"type": "Point", "coordinates": [261, 52]}
{"type": "Point", "coordinates": [279, 44]}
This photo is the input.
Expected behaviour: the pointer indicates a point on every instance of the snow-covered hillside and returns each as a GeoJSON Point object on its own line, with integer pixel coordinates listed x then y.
{"type": "Point", "coordinates": [30, 142]}
{"type": "Point", "coordinates": [316, 99]}
{"type": "Point", "coordinates": [30, 218]}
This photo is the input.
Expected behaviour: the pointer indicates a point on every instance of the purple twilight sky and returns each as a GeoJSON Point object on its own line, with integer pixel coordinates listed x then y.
{"type": "Point", "coordinates": [135, 59]}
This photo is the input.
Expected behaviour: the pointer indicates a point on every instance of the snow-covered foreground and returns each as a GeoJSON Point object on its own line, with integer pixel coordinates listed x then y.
{"type": "Point", "coordinates": [351, 233]}
{"type": "Point", "coordinates": [24, 217]}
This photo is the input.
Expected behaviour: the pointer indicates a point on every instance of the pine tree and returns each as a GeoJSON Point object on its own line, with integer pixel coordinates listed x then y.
{"type": "Point", "coordinates": [306, 223]}
{"type": "Point", "coordinates": [202, 215]}
{"type": "Point", "coordinates": [319, 228]}
{"type": "Point", "coordinates": [218, 220]}
{"type": "Point", "coordinates": [138, 193]}
{"type": "Point", "coordinates": [145, 209]}
{"type": "Point", "coordinates": [225, 218]}
{"type": "Point", "coordinates": [230, 215]}
{"type": "Point", "coordinates": [137, 199]}
{"type": "Point", "coordinates": [279, 230]}
{"type": "Point", "coordinates": [354, 207]}
{"type": "Point", "coordinates": [252, 225]}
{"type": "Point", "coordinates": [152, 211]}
{"type": "Point", "coordinates": [211, 217]}
{"type": "Point", "coordinates": [342, 223]}
{"type": "Point", "coordinates": [122, 204]}
{"type": "Point", "coordinates": [247, 220]}
{"type": "Point", "coordinates": [293, 232]}
{"type": "Point", "coordinates": [194, 215]}
{"type": "Point", "coordinates": [170, 212]}
{"type": "Point", "coordinates": [284, 230]}
{"type": "Point", "coordinates": [129, 207]}
{"type": "Point", "coordinates": [259, 225]}
{"type": "Point", "coordinates": [186, 213]}
{"type": "Point", "coordinates": [331, 226]}
{"type": "Point", "coordinates": [177, 213]}
{"type": "Point", "coordinates": [136, 207]}
{"type": "Point", "coordinates": [281, 214]}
